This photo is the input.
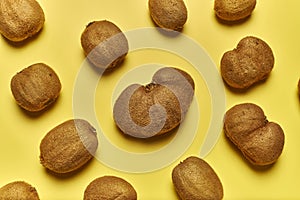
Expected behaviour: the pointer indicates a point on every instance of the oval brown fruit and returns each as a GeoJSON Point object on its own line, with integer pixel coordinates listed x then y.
{"type": "Point", "coordinates": [168, 14]}
{"type": "Point", "coordinates": [18, 190]}
{"type": "Point", "coordinates": [104, 44]}
{"type": "Point", "coordinates": [35, 87]}
{"type": "Point", "coordinates": [68, 146]}
{"type": "Point", "coordinates": [110, 187]}
{"type": "Point", "coordinates": [234, 10]}
{"type": "Point", "coordinates": [195, 179]}
{"type": "Point", "coordinates": [251, 62]}
{"type": "Point", "coordinates": [260, 141]}
{"type": "Point", "coordinates": [20, 19]}
{"type": "Point", "coordinates": [146, 111]}
{"type": "Point", "coordinates": [157, 108]}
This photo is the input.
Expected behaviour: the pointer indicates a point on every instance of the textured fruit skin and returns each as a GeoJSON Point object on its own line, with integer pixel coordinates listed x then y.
{"type": "Point", "coordinates": [234, 10]}
{"type": "Point", "coordinates": [20, 19]}
{"type": "Point", "coordinates": [152, 110]}
{"type": "Point", "coordinates": [244, 118]}
{"type": "Point", "coordinates": [35, 87]}
{"type": "Point", "coordinates": [156, 108]}
{"type": "Point", "coordinates": [195, 179]}
{"type": "Point", "coordinates": [179, 82]}
{"type": "Point", "coordinates": [251, 62]}
{"type": "Point", "coordinates": [104, 44]}
{"type": "Point", "coordinates": [168, 14]}
{"type": "Point", "coordinates": [18, 190]}
{"type": "Point", "coordinates": [260, 141]}
{"type": "Point", "coordinates": [110, 187]}
{"type": "Point", "coordinates": [68, 146]}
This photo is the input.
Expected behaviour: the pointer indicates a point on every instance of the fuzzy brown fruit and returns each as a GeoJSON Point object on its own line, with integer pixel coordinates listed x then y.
{"type": "Point", "coordinates": [35, 87]}
{"type": "Point", "coordinates": [168, 14]}
{"type": "Point", "coordinates": [260, 141]}
{"type": "Point", "coordinates": [104, 44]}
{"type": "Point", "coordinates": [251, 62]}
{"type": "Point", "coordinates": [179, 82]}
{"type": "Point", "coordinates": [18, 190]}
{"type": "Point", "coordinates": [110, 187]}
{"type": "Point", "coordinates": [234, 10]}
{"type": "Point", "coordinates": [157, 108]}
{"type": "Point", "coordinates": [195, 179]}
{"type": "Point", "coordinates": [20, 19]}
{"type": "Point", "coordinates": [68, 146]}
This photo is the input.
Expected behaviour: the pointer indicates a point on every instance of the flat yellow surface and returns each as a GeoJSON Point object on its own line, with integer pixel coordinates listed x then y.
{"type": "Point", "coordinates": [58, 45]}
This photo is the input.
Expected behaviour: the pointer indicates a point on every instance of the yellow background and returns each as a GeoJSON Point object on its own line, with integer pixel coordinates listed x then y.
{"type": "Point", "coordinates": [58, 45]}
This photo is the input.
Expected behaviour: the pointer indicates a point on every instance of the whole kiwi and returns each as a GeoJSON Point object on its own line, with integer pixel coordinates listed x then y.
{"type": "Point", "coordinates": [68, 146]}
{"type": "Point", "coordinates": [104, 44]}
{"type": "Point", "coordinates": [110, 187]}
{"type": "Point", "coordinates": [168, 14]}
{"type": "Point", "coordinates": [156, 108]}
{"type": "Point", "coordinates": [18, 190]}
{"type": "Point", "coordinates": [20, 19]}
{"type": "Point", "coordinates": [36, 87]}
{"type": "Point", "coordinates": [195, 179]}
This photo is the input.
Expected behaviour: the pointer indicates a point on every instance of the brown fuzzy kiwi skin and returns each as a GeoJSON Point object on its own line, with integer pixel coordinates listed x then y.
{"type": "Point", "coordinates": [110, 187]}
{"type": "Point", "coordinates": [195, 179]}
{"type": "Point", "coordinates": [242, 119]}
{"type": "Point", "coordinates": [104, 44]}
{"type": "Point", "coordinates": [179, 82]}
{"type": "Point", "coordinates": [18, 190]}
{"type": "Point", "coordinates": [173, 76]}
{"type": "Point", "coordinates": [234, 10]}
{"type": "Point", "coordinates": [20, 19]}
{"type": "Point", "coordinates": [251, 62]}
{"type": "Point", "coordinates": [263, 146]}
{"type": "Point", "coordinates": [260, 141]}
{"type": "Point", "coordinates": [168, 14]}
{"type": "Point", "coordinates": [171, 88]}
{"type": "Point", "coordinates": [35, 87]}
{"type": "Point", "coordinates": [68, 146]}
{"type": "Point", "coordinates": [135, 119]}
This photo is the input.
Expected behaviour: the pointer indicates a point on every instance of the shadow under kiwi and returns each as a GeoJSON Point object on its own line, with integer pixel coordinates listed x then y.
{"type": "Point", "coordinates": [232, 23]}
{"type": "Point", "coordinates": [245, 90]}
{"type": "Point", "coordinates": [20, 44]}
{"type": "Point", "coordinates": [166, 32]}
{"type": "Point", "coordinates": [36, 114]}
{"type": "Point", "coordinates": [169, 33]}
{"type": "Point", "coordinates": [104, 72]}
{"type": "Point", "coordinates": [257, 168]}
{"type": "Point", "coordinates": [175, 192]}
{"type": "Point", "coordinates": [151, 140]}
{"type": "Point", "coordinates": [298, 98]}
{"type": "Point", "coordinates": [68, 175]}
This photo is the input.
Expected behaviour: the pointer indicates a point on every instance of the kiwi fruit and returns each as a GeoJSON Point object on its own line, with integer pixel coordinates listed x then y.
{"type": "Point", "coordinates": [249, 63]}
{"type": "Point", "coordinates": [109, 187]}
{"type": "Point", "coordinates": [168, 14]}
{"type": "Point", "coordinates": [195, 179]}
{"type": "Point", "coordinates": [234, 10]}
{"type": "Point", "coordinates": [36, 87]}
{"type": "Point", "coordinates": [20, 19]}
{"type": "Point", "coordinates": [68, 146]}
{"type": "Point", "coordinates": [260, 141]}
{"type": "Point", "coordinates": [104, 44]}
{"type": "Point", "coordinates": [18, 190]}
{"type": "Point", "coordinates": [156, 108]}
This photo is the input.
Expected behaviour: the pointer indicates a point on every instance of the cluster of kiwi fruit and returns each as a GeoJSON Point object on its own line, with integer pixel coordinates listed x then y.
{"type": "Point", "coordinates": [37, 87]}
